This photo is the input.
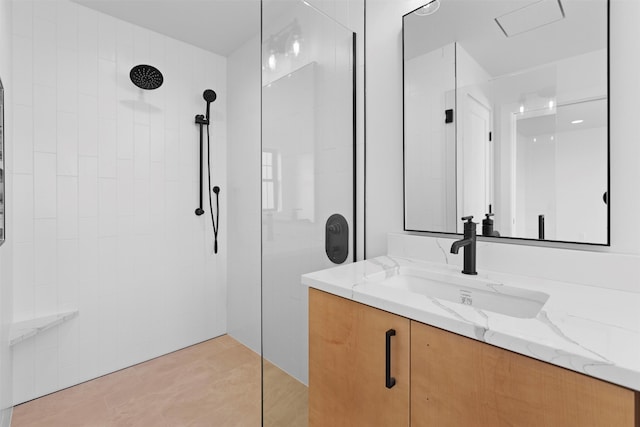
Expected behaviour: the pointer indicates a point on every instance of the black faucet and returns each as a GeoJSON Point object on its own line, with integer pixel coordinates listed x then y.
{"type": "Point", "coordinates": [487, 227]}
{"type": "Point", "coordinates": [469, 244]}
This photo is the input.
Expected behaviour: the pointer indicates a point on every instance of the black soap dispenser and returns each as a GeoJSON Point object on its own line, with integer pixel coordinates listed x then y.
{"type": "Point", "coordinates": [487, 226]}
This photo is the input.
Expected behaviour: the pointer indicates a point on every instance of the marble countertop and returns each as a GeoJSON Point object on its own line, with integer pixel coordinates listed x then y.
{"type": "Point", "coordinates": [590, 330]}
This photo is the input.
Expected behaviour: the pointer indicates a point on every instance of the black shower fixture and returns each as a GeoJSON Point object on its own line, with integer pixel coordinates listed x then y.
{"type": "Point", "coordinates": [146, 77]}
{"type": "Point", "coordinates": [202, 121]}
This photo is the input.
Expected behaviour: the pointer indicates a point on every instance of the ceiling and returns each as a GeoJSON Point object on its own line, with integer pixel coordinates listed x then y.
{"type": "Point", "coordinates": [219, 26]}
{"type": "Point", "coordinates": [472, 24]}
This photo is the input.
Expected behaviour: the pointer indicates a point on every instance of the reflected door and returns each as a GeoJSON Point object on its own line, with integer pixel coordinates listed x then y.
{"type": "Point", "coordinates": [307, 177]}
{"type": "Point", "coordinates": [475, 156]}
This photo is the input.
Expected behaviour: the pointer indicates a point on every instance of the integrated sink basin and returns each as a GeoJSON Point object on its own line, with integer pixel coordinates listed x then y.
{"type": "Point", "coordinates": [471, 291]}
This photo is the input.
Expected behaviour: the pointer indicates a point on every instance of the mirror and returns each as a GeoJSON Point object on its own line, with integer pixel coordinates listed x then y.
{"type": "Point", "coordinates": [2, 175]}
{"type": "Point", "coordinates": [506, 114]}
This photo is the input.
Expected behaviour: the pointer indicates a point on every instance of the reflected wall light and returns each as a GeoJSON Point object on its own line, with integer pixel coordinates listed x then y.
{"type": "Point", "coordinates": [271, 61]}
{"type": "Point", "coordinates": [429, 8]}
{"type": "Point", "coordinates": [287, 41]}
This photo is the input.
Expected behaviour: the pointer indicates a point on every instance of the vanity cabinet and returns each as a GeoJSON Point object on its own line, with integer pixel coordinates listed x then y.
{"type": "Point", "coordinates": [347, 369]}
{"type": "Point", "coordinates": [457, 381]}
{"type": "Point", "coordinates": [442, 379]}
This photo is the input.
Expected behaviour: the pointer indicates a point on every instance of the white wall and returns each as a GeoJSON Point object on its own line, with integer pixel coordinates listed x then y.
{"type": "Point", "coordinates": [244, 165]}
{"type": "Point", "coordinates": [384, 190]}
{"type": "Point", "coordinates": [6, 250]}
{"type": "Point", "coordinates": [429, 141]}
{"type": "Point", "coordinates": [581, 212]}
{"type": "Point", "coordinates": [384, 124]}
{"type": "Point", "coordinates": [106, 178]}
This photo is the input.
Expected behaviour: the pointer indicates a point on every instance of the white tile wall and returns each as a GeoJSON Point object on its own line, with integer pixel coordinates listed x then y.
{"type": "Point", "coordinates": [7, 249]}
{"type": "Point", "coordinates": [106, 186]}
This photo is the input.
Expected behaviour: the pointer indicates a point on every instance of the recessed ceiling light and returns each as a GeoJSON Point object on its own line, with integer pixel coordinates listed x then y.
{"type": "Point", "coordinates": [429, 8]}
{"type": "Point", "coordinates": [575, 122]}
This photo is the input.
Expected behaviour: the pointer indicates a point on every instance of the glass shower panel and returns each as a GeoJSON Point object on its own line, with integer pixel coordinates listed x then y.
{"type": "Point", "coordinates": [307, 176]}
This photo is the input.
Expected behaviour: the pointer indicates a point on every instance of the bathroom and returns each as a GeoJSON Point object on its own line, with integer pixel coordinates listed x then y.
{"type": "Point", "coordinates": [90, 215]}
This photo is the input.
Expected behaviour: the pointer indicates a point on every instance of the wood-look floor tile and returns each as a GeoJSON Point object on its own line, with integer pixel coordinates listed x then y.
{"type": "Point", "coordinates": [215, 383]}
{"type": "Point", "coordinates": [285, 399]}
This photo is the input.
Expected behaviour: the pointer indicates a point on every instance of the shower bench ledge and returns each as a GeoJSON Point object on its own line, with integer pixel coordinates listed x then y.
{"type": "Point", "coordinates": [25, 329]}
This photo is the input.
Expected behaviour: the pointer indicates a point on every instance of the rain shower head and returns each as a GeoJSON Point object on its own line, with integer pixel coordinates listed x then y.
{"type": "Point", "coordinates": [146, 77]}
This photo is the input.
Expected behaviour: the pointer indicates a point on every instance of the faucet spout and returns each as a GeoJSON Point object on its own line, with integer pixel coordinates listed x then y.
{"type": "Point", "coordinates": [455, 247]}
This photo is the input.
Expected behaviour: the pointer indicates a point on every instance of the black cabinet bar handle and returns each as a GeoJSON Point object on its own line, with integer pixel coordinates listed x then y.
{"type": "Point", "coordinates": [390, 380]}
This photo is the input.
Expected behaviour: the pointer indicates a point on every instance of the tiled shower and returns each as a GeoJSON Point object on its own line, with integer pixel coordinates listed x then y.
{"type": "Point", "coordinates": [105, 184]}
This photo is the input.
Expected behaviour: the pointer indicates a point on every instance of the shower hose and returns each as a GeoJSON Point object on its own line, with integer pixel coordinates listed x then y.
{"type": "Point", "coordinates": [214, 222]}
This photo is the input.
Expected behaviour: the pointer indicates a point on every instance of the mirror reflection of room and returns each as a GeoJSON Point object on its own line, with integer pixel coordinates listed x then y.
{"type": "Point", "coordinates": [505, 118]}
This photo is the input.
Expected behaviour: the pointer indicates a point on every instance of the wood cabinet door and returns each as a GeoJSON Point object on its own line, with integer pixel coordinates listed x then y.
{"type": "Point", "coordinates": [457, 381]}
{"type": "Point", "coordinates": [347, 364]}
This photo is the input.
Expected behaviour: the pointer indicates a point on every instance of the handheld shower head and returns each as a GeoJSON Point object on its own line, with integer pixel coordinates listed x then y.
{"type": "Point", "coordinates": [209, 96]}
